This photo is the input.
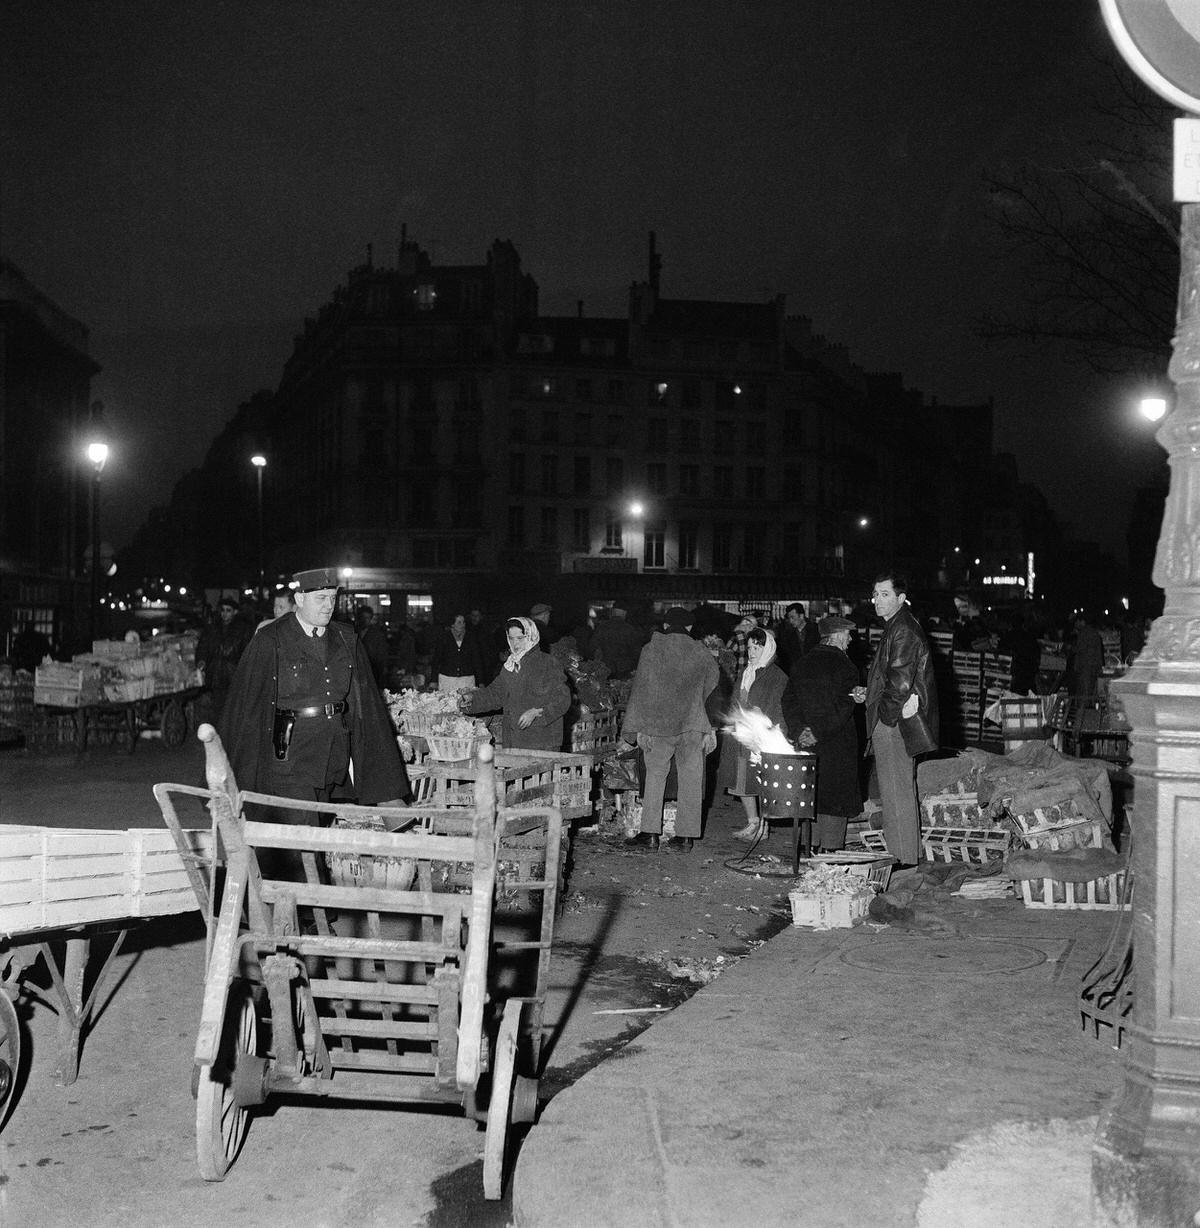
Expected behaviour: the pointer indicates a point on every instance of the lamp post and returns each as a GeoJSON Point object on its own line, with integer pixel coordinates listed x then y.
{"type": "Point", "coordinates": [259, 461]}
{"type": "Point", "coordinates": [1146, 1152]}
{"type": "Point", "coordinates": [97, 454]}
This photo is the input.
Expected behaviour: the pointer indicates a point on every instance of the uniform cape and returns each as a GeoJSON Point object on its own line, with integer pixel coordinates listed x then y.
{"type": "Point", "coordinates": [246, 722]}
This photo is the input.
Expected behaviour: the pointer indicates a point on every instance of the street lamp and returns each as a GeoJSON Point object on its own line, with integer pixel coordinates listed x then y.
{"type": "Point", "coordinates": [1153, 409]}
{"type": "Point", "coordinates": [97, 454]}
{"type": "Point", "coordinates": [259, 461]}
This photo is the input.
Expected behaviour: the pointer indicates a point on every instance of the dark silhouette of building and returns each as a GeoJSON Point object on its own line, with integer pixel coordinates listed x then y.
{"type": "Point", "coordinates": [442, 440]}
{"type": "Point", "coordinates": [45, 380]}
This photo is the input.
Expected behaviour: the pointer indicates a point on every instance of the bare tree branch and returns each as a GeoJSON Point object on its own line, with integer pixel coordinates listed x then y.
{"type": "Point", "coordinates": [1096, 238]}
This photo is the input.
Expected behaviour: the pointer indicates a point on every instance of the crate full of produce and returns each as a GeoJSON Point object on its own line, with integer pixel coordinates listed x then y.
{"type": "Point", "coordinates": [830, 897]}
{"type": "Point", "coordinates": [421, 714]}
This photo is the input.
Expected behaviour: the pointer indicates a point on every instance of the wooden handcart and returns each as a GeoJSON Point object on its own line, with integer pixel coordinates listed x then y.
{"type": "Point", "coordinates": [64, 892]}
{"type": "Point", "coordinates": [125, 720]}
{"type": "Point", "coordinates": [358, 962]}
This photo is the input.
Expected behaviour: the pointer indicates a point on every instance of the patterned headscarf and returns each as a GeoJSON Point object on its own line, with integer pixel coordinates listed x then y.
{"type": "Point", "coordinates": [533, 637]}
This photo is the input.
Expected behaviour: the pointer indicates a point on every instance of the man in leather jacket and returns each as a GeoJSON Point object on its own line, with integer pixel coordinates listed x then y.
{"type": "Point", "coordinates": [900, 683]}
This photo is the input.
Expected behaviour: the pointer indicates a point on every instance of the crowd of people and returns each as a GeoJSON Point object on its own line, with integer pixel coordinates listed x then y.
{"type": "Point", "coordinates": [298, 700]}
{"type": "Point", "coordinates": [303, 715]}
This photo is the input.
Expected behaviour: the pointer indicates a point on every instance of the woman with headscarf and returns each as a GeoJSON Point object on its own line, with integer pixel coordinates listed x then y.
{"type": "Point", "coordinates": [760, 685]}
{"type": "Point", "coordinates": [530, 689]}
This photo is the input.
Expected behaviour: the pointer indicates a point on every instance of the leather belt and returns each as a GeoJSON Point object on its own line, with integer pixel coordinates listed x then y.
{"type": "Point", "coordinates": [326, 710]}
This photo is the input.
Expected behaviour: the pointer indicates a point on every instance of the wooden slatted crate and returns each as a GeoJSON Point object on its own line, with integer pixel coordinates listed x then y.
{"type": "Point", "coordinates": [1099, 894]}
{"type": "Point", "coordinates": [55, 877]}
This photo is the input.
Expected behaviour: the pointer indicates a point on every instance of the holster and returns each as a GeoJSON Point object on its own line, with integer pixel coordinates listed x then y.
{"type": "Point", "coordinates": [281, 733]}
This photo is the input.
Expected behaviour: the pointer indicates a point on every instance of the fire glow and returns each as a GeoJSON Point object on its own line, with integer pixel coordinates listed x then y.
{"type": "Point", "coordinates": [754, 730]}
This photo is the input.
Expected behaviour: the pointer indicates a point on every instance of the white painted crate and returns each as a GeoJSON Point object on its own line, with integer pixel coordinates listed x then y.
{"type": "Point", "coordinates": [53, 877]}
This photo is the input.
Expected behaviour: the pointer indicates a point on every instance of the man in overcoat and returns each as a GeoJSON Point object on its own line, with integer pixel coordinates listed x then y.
{"type": "Point", "coordinates": [818, 708]}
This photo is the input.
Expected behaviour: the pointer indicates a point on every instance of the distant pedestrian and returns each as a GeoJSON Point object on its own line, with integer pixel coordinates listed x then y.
{"type": "Point", "coordinates": [218, 651]}
{"type": "Point", "coordinates": [617, 643]}
{"type": "Point", "coordinates": [1020, 643]}
{"type": "Point", "coordinates": [540, 614]}
{"type": "Point", "coordinates": [487, 637]}
{"type": "Point", "coordinates": [458, 657]}
{"type": "Point", "coordinates": [284, 602]}
{"type": "Point", "coordinates": [374, 642]}
{"type": "Point", "coordinates": [1087, 658]}
{"type": "Point", "coordinates": [30, 647]}
{"type": "Point", "coordinates": [797, 635]}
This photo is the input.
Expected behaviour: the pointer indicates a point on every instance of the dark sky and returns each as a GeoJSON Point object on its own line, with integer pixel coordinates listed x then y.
{"type": "Point", "coordinates": [191, 179]}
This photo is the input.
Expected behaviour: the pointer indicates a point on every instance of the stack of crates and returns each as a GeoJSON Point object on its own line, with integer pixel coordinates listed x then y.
{"type": "Point", "coordinates": [59, 685]}
{"type": "Point", "coordinates": [16, 701]}
{"type": "Point", "coordinates": [1023, 720]}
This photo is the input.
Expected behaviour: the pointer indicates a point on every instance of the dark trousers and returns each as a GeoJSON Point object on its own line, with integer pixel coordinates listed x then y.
{"type": "Point", "coordinates": [686, 750]}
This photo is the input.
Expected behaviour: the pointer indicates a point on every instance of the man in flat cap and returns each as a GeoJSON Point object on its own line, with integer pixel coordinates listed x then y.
{"type": "Point", "coordinates": [818, 709]}
{"type": "Point", "coordinates": [666, 719]}
{"type": "Point", "coordinates": [304, 718]}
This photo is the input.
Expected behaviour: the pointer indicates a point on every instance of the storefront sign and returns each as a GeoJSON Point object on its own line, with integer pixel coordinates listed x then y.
{"type": "Point", "coordinates": [602, 562]}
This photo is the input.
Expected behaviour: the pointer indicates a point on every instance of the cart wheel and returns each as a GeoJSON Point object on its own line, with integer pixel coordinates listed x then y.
{"type": "Point", "coordinates": [173, 724]}
{"type": "Point", "coordinates": [514, 1099]}
{"type": "Point", "coordinates": [10, 1053]}
{"type": "Point", "coordinates": [221, 1123]}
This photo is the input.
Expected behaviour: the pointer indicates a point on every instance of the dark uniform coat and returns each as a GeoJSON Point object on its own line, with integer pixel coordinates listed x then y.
{"type": "Point", "coordinates": [283, 667]}
{"type": "Point", "coordinates": [818, 696]}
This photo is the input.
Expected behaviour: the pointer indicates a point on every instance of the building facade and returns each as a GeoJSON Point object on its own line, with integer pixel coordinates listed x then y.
{"type": "Point", "coordinates": [45, 381]}
{"type": "Point", "coordinates": [447, 445]}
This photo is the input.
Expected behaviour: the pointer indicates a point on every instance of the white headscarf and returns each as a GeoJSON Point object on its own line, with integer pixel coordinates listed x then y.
{"type": "Point", "coordinates": [533, 637]}
{"type": "Point", "coordinates": [765, 659]}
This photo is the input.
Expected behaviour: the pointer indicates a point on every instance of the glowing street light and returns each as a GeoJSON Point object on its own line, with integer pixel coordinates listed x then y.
{"type": "Point", "coordinates": [636, 508]}
{"type": "Point", "coordinates": [1153, 409]}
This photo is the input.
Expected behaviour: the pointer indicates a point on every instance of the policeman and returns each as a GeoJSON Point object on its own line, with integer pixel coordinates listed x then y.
{"type": "Point", "coordinates": [304, 718]}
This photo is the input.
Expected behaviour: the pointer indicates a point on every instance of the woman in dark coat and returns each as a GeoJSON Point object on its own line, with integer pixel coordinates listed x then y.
{"type": "Point", "coordinates": [457, 657]}
{"type": "Point", "coordinates": [819, 708]}
{"type": "Point", "coordinates": [531, 689]}
{"type": "Point", "coordinates": [760, 685]}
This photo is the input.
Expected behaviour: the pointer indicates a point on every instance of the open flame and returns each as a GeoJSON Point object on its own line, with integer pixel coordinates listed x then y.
{"type": "Point", "coordinates": [754, 730]}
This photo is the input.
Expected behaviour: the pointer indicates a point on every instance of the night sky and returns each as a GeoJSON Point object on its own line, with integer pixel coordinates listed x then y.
{"type": "Point", "coordinates": [191, 179]}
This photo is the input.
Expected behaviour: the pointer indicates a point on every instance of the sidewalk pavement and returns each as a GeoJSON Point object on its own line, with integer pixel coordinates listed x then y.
{"type": "Point", "coordinates": [871, 1076]}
